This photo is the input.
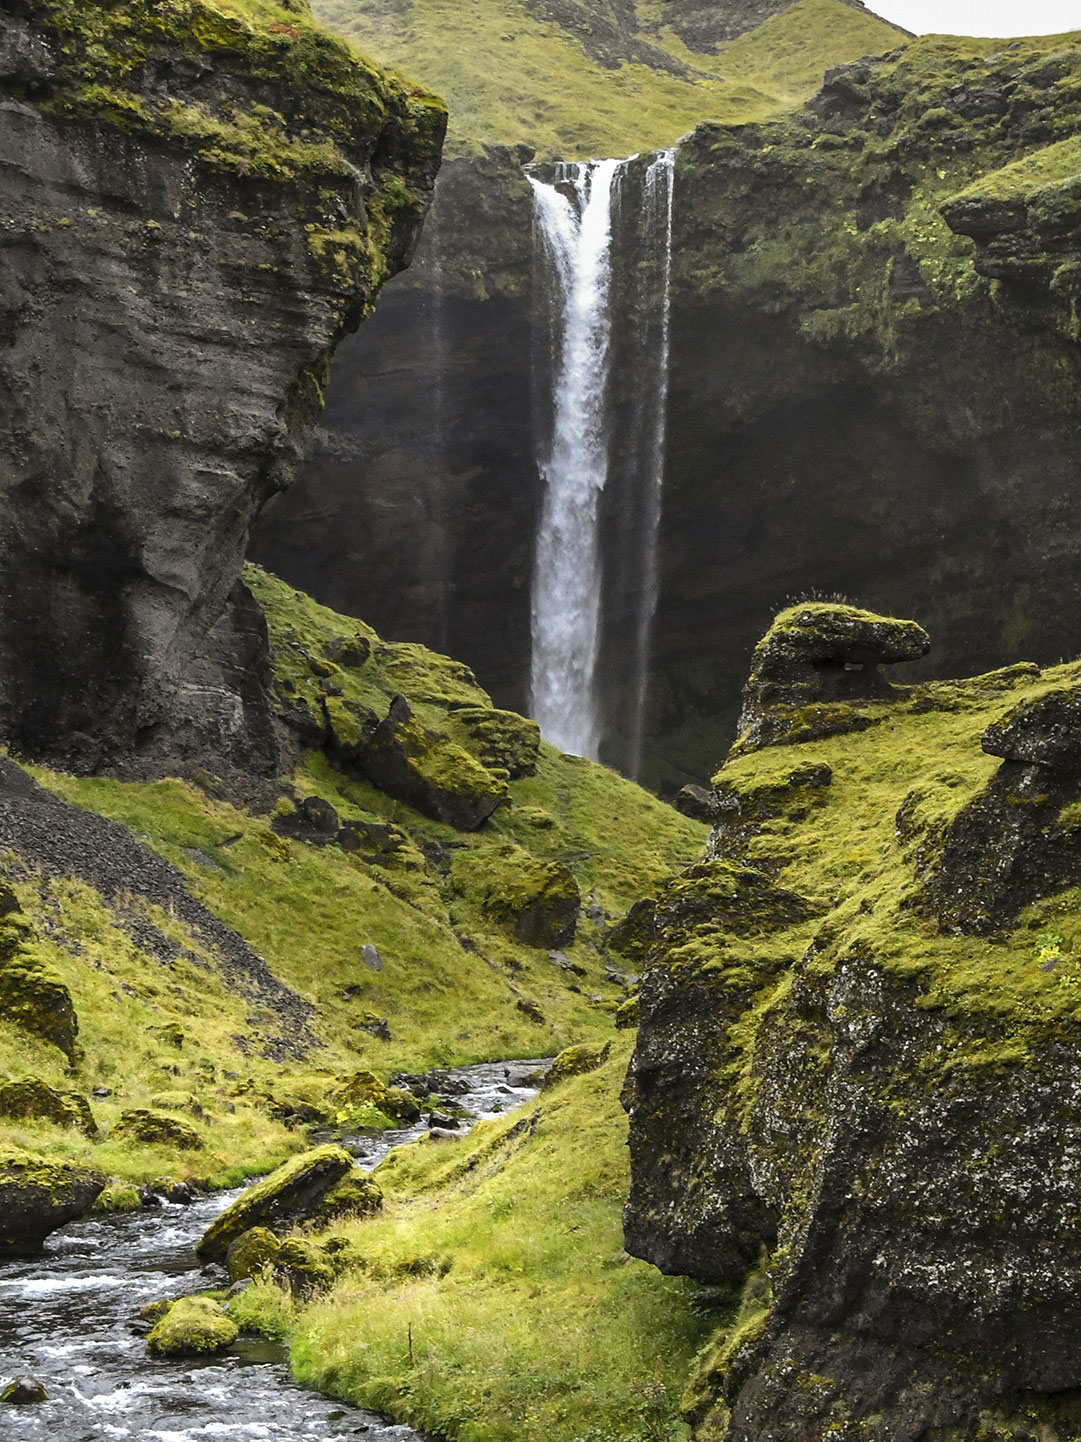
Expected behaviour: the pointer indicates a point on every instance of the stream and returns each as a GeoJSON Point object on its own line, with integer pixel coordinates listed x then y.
{"type": "Point", "coordinates": [67, 1317]}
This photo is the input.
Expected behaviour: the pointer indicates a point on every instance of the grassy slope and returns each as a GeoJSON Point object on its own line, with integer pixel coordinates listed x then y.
{"type": "Point", "coordinates": [508, 76]}
{"type": "Point", "coordinates": [501, 1256]}
{"type": "Point", "coordinates": [309, 911]}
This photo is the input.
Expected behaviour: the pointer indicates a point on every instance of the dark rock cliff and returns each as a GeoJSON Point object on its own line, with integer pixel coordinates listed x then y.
{"type": "Point", "coordinates": [851, 1116]}
{"type": "Point", "coordinates": [863, 401]}
{"type": "Point", "coordinates": [197, 205]}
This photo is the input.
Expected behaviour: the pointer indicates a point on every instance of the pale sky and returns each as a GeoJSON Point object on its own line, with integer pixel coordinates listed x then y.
{"type": "Point", "coordinates": [981, 17]}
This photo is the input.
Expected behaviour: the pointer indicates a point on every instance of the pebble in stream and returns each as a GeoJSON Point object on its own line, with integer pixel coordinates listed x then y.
{"type": "Point", "coordinates": [67, 1318]}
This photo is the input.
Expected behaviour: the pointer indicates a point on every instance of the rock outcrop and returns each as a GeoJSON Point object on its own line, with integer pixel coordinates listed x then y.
{"type": "Point", "coordinates": [196, 207]}
{"type": "Point", "coordinates": [866, 1130]}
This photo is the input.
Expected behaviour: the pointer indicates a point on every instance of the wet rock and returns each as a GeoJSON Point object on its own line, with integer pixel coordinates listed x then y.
{"type": "Point", "coordinates": [24, 1392]}
{"type": "Point", "coordinates": [292, 1193]}
{"type": "Point", "coordinates": [439, 1121]}
{"type": "Point", "coordinates": [33, 1098]}
{"type": "Point", "coordinates": [536, 901]}
{"type": "Point", "coordinates": [192, 1327]}
{"type": "Point", "coordinates": [812, 668]}
{"type": "Point", "coordinates": [157, 1128]}
{"type": "Point", "coordinates": [251, 1252]}
{"type": "Point", "coordinates": [37, 1197]}
{"type": "Point", "coordinates": [576, 1061]}
{"type": "Point", "coordinates": [409, 760]}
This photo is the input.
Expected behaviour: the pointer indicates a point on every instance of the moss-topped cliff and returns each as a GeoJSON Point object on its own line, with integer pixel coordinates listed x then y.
{"type": "Point", "coordinates": [856, 1059]}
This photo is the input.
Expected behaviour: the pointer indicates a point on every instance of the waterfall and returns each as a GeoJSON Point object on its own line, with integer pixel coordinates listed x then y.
{"type": "Point", "coordinates": [573, 220]}
{"type": "Point", "coordinates": [659, 189]}
{"type": "Point", "coordinates": [603, 234]}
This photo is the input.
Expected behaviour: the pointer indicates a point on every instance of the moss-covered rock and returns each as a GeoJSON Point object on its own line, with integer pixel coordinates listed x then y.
{"type": "Point", "coordinates": [192, 1327]}
{"type": "Point", "coordinates": [537, 901]}
{"type": "Point", "coordinates": [356, 1195]}
{"type": "Point", "coordinates": [156, 1128]}
{"type": "Point", "coordinates": [814, 662]}
{"type": "Point", "coordinates": [37, 1197]}
{"type": "Point", "coordinates": [364, 1089]}
{"type": "Point", "coordinates": [500, 740]}
{"type": "Point", "coordinates": [33, 997]}
{"type": "Point", "coordinates": [251, 1252]}
{"type": "Point", "coordinates": [575, 1061]}
{"type": "Point", "coordinates": [407, 759]}
{"type": "Point", "coordinates": [289, 1194]}
{"type": "Point", "coordinates": [381, 843]}
{"type": "Point", "coordinates": [303, 1267]}
{"type": "Point", "coordinates": [118, 1196]}
{"type": "Point", "coordinates": [33, 1098]}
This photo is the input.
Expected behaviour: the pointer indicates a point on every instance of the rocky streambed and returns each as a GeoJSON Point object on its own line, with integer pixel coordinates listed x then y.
{"type": "Point", "coordinates": [68, 1318]}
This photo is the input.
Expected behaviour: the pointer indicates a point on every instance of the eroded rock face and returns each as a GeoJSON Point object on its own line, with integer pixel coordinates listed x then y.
{"type": "Point", "coordinates": [167, 306]}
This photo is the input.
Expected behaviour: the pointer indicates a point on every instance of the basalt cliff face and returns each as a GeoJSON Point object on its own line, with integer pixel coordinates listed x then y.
{"type": "Point", "coordinates": [197, 204]}
{"type": "Point", "coordinates": [873, 392]}
{"type": "Point", "coordinates": [854, 1097]}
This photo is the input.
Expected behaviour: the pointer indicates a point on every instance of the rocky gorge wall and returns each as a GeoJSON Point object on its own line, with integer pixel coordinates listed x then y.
{"type": "Point", "coordinates": [198, 204]}
{"type": "Point", "coordinates": [862, 400]}
{"type": "Point", "coordinates": [853, 1100]}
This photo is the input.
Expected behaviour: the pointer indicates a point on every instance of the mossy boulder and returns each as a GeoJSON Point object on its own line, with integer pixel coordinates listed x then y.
{"type": "Point", "coordinates": [37, 1197]}
{"type": "Point", "coordinates": [33, 996]}
{"type": "Point", "coordinates": [380, 843]}
{"type": "Point", "coordinates": [32, 1098]}
{"type": "Point", "coordinates": [356, 1195]}
{"type": "Point", "coordinates": [192, 1327]}
{"type": "Point", "coordinates": [411, 761]}
{"type": "Point", "coordinates": [500, 740]}
{"type": "Point", "coordinates": [118, 1196]}
{"type": "Point", "coordinates": [303, 1267]}
{"type": "Point", "coordinates": [576, 1061]}
{"type": "Point", "coordinates": [157, 1128]}
{"type": "Point", "coordinates": [813, 663]}
{"type": "Point", "coordinates": [290, 1194]}
{"type": "Point", "coordinates": [310, 819]}
{"type": "Point", "coordinates": [253, 1250]}
{"type": "Point", "coordinates": [364, 1090]}
{"type": "Point", "coordinates": [536, 901]}
{"type": "Point", "coordinates": [24, 1392]}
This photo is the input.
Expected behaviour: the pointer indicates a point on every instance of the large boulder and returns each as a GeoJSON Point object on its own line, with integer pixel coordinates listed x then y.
{"type": "Point", "coordinates": [407, 759]}
{"type": "Point", "coordinates": [536, 901]}
{"type": "Point", "coordinates": [37, 1197]}
{"type": "Point", "coordinates": [192, 1327]}
{"type": "Point", "coordinates": [357, 1195]}
{"type": "Point", "coordinates": [155, 1128]}
{"type": "Point", "coordinates": [575, 1061]}
{"type": "Point", "coordinates": [253, 1250]}
{"type": "Point", "coordinates": [814, 665]}
{"type": "Point", "coordinates": [290, 1194]}
{"type": "Point", "coordinates": [31, 1098]}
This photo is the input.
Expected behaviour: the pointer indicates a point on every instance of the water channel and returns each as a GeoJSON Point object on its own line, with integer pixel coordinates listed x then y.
{"type": "Point", "coordinates": [67, 1317]}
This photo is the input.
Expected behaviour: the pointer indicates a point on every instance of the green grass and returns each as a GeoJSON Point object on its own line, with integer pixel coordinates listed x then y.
{"type": "Point", "coordinates": [493, 1301]}
{"type": "Point", "coordinates": [1053, 165]}
{"type": "Point", "coordinates": [511, 77]}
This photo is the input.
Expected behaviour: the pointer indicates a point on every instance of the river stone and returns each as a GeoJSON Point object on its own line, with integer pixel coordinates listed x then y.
{"type": "Point", "coordinates": [290, 1194]}
{"type": "Point", "coordinates": [33, 1098]}
{"type": "Point", "coordinates": [193, 1326]}
{"type": "Point", "coordinates": [37, 1197]}
{"type": "Point", "coordinates": [24, 1391]}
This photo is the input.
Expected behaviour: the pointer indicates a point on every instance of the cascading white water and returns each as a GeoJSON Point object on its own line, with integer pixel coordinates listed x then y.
{"type": "Point", "coordinates": [575, 234]}
{"type": "Point", "coordinates": [658, 195]}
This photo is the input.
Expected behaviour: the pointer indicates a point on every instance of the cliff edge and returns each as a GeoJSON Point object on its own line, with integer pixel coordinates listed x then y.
{"type": "Point", "coordinates": [854, 1097]}
{"type": "Point", "coordinates": [199, 201]}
